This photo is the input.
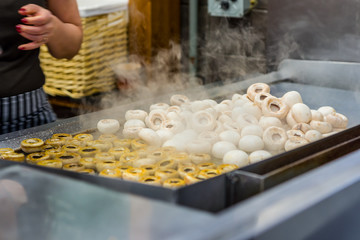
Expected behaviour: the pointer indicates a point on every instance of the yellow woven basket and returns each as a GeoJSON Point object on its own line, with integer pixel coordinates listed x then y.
{"type": "Point", "coordinates": [90, 71]}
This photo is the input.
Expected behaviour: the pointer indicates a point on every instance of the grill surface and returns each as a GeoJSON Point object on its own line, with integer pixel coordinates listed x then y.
{"type": "Point", "coordinates": [243, 183]}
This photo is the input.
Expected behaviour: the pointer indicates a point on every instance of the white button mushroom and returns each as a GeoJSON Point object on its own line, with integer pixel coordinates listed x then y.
{"type": "Point", "coordinates": [316, 115]}
{"type": "Point", "coordinates": [251, 143]}
{"type": "Point", "coordinates": [136, 114]}
{"type": "Point", "coordinates": [219, 149]}
{"type": "Point", "coordinates": [131, 132]}
{"type": "Point", "coordinates": [266, 122]}
{"type": "Point", "coordinates": [164, 135]}
{"type": "Point", "coordinates": [209, 136]}
{"type": "Point", "coordinates": [252, 130]}
{"type": "Point", "coordinates": [237, 157]}
{"type": "Point", "coordinates": [230, 136]}
{"type": "Point", "coordinates": [337, 120]}
{"type": "Point", "coordinates": [301, 113]}
{"type": "Point", "coordinates": [257, 88]}
{"type": "Point", "coordinates": [295, 142]}
{"type": "Point", "coordinates": [258, 156]}
{"type": "Point", "coordinates": [313, 135]}
{"type": "Point", "coordinates": [274, 138]}
{"type": "Point", "coordinates": [323, 127]}
{"type": "Point", "coordinates": [198, 146]}
{"type": "Point", "coordinates": [260, 97]}
{"type": "Point", "coordinates": [304, 127]}
{"type": "Point", "coordinates": [274, 107]}
{"type": "Point", "coordinates": [134, 123]}
{"type": "Point", "coordinates": [246, 119]}
{"type": "Point", "coordinates": [108, 126]}
{"type": "Point", "coordinates": [150, 137]}
{"type": "Point", "coordinates": [295, 133]}
{"type": "Point", "coordinates": [178, 99]}
{"type": "Point", "coordinates": [155, 119]}
{"type": "Point", "coordinates": [325, 110]}
{"type": "Point", "coordinates": [162, 106]}
{"type": "Point", "coordinates": [291, 98]}
{"type": "Point", "coordinates": [203, 121]}
{"type": "Point", "coordinates": [173, 126]}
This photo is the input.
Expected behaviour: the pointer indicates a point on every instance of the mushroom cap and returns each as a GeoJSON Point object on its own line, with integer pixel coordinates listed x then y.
{"type": "Point", "coordinates": [219, 149]}
{"type": "Point", "coordinates": [291, 98]}
{"type": "Point", "coordinates": [251, 143]}
{"type": "Point", "coordinates": [237, 157]}
{"type": "Point", "coordinates": [301, 113]}
{"type": "Point", "coordinates": [258, 156]}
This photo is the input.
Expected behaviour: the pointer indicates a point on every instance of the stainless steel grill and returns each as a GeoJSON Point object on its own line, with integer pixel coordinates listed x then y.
{"type": "Point", "coordinates": [302, 76]}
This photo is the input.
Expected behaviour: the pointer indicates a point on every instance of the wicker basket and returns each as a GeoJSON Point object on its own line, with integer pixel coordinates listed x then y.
{"type": "Point", "coordinates": [90, 71]}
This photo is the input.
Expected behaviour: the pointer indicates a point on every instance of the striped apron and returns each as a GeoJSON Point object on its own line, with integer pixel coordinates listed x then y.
{"type": "Point", "coordinates": [25, 110]}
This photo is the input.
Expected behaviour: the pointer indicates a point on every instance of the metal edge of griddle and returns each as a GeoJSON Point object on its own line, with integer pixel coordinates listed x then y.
{"type": "Point", "coordinates": [289, 157]}
{"type": "Point", "coordinates": [250, 180]}
{"type": "Point", "coordinates": [209, 195]}
{"type": "Point", "coordinates": [330, 74]}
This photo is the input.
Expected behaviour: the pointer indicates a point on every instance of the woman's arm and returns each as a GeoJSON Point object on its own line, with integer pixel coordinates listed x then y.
{"type": "Point", "coordinates": [59, 27]}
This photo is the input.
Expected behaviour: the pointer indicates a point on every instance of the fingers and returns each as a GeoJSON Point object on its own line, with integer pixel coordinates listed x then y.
{"type": "Point", "coordinates": [36, 27]}
{"type": "Point", "coordinates": [29, 10]}
{"type": "Point", "coordinates": [30, 46]}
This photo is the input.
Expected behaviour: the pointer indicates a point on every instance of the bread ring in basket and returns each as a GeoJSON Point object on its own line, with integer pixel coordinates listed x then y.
{"type": "Point", "coordinates": [31, 145]}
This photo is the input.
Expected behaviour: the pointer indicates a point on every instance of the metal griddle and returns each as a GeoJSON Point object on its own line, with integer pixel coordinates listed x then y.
{"type": "Point", "coordinates": [218, 193]}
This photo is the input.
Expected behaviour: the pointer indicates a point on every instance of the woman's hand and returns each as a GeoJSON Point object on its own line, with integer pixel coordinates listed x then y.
{"type": "Point", "coordinates": [59, 27]}
{"type": "Point", "coordinates": [38, 26]}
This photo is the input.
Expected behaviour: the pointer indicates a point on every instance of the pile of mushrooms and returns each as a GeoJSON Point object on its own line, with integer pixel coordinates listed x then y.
{"type": "Point", "coordinates": [242, 130]}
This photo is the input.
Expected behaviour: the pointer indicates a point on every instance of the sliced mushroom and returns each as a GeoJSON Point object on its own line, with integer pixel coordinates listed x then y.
{"type": "Point", "coordinates": [257, 88]}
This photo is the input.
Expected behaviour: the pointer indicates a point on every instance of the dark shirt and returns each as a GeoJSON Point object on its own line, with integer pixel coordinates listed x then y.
{"type": "Point", "coordinates": [20, 70]}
